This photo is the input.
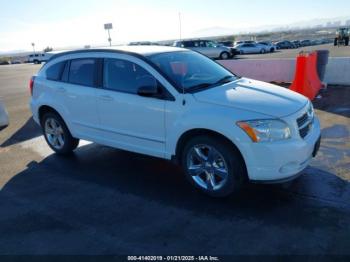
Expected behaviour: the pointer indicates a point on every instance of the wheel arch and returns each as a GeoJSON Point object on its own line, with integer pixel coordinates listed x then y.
{"type": "Point", "coordinates": [202, 131]}
{"type": "Point", "coordinates": [43, 109]}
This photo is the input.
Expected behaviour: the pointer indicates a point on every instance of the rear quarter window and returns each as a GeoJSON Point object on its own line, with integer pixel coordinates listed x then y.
{"type": "Point", "coordinates": [54, 72]}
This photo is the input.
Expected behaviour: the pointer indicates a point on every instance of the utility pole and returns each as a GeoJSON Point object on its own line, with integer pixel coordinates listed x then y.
{"type": "Point", "coordinates": [180, 26]}
{"type": "Point", "coordinates": [108, 27]}
{"type": "Point", "coordinates": [33, 45]}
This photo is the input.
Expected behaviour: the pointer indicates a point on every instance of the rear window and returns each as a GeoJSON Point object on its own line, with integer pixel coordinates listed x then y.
{"type": "Point", "coordinates": [82, 71]}
{"type": "Point", "coordinates": [54, 72]}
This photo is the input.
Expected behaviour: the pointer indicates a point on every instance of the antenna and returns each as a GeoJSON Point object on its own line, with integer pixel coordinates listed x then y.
{"type": "Point", "coordinates": [183, 88]}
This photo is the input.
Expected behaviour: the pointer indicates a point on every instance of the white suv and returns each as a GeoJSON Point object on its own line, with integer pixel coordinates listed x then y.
{"type": "Point", "coordinates": [176, 104]}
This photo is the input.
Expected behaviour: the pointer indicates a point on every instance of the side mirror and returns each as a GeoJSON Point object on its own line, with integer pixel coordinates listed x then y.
{"type": "Point", "coordinates": [147, 86]}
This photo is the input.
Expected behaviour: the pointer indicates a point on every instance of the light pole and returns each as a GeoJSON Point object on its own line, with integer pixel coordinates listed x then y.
{"type": "Point", "coordinates": [33, 45]}
{"type": "Point", "coordinates": [180, 26]}
{"type": "Point", "coordinates": [108, 27]}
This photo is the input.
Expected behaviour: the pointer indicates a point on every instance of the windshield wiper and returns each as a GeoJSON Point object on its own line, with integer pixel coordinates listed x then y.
{"type": "Point", "coordinates": [199, 86]}
{"type": "Point", "coordinates": [224, 80]}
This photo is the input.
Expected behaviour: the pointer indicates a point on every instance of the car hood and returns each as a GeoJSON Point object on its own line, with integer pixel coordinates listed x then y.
{"type": "Point", "coordinates": [255, 96]}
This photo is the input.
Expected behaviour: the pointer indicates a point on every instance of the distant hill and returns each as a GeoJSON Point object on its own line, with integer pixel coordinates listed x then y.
{"type": "Point", "coordinates": [307, 24]}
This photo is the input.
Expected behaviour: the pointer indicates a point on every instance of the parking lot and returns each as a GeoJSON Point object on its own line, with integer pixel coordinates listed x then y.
{"type": "Point", "coordinates": [105, 201]}
{"type": "Point", "coordinates": [334, 51]}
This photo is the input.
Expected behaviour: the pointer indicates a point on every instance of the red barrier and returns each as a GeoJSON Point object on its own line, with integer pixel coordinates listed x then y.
{"type": "Point", "coordinates": [306, 80]}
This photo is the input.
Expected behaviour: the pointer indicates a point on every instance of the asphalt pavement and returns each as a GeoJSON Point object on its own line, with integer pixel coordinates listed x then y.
{"type": "Point", "coordinates": [102, 200]}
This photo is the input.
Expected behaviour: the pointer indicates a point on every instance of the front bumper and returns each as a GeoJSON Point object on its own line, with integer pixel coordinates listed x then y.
{"type": "Point", "coordinates": [281, 161]}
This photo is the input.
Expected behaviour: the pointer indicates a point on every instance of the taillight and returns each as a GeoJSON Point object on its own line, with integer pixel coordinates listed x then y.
{"type": "Point", "coordinates": [31, 85]}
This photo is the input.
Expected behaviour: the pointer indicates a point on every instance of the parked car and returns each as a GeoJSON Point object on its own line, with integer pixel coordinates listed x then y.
{"type": "Point", "coordinates": [296, 43]}
{"type": "Point", "coordinates": [143, 43]}
{"type": "Point", "coordinates": [285, 45]}
{"type": "Point", "coordinates": [251, 49]}
{"type": "Point", "coordinates": [206, 47]}
{"type": "Point", "coordinates": [270, 47]}
{"type": "Point", "coordinates": [245, 42]}
{"type": "Point", "coordinates": [4, 118]}
{"type": "Point", "coordinates": [316, 42]}
{"type": "Point", "coordinates": [38, 58]}
{"type": "Point", "coordinates": [305, 43]}
{"type": "Point", "coordinates": [226, 43]}
{"type": "Point", "coordinates": [174, 103]}
{"type": "Point", "coordinates": [15, 62]}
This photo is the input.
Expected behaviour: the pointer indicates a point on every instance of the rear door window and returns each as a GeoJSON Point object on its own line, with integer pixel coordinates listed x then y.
{"type": "Point", "coordinates": [54, 72]}
{"type": "Point", "coordinates": [82, 72]}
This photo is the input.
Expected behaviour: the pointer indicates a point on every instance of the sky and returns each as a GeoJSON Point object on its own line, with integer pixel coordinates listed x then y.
{"type": "Point", "coordinates": [62, 23]}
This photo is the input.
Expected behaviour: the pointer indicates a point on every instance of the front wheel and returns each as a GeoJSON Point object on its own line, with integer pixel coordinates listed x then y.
{"type": "Point", "coordinates": [224, 55]}
{"type": "Point", "coordinates": [213, 166]}
{"type": "Point", "coordinates": [57, 134]}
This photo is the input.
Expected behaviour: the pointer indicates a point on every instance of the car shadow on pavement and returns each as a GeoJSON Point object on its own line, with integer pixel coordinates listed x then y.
{"type": "Point", "coordinates": [100, 200]}
{"type": "Point", "coordinates": [334, 99]}
{"type": "Point", "coordinates": [28, 131]}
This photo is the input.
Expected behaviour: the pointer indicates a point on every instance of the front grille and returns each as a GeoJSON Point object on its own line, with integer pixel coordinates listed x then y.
{"type": "Point", "coordinates": [302, 120]}
{"type": "Point", "coordinates": [304, 131]}
{"type": "Point", "coordinates": [304, 124]}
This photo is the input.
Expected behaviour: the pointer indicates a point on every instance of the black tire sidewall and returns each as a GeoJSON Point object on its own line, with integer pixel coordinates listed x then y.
{"type": "Point", "coordinates": [70, 143]}
{"type": "Point", "coordinates": [236, 169]}
{"type": "Point", "coordinates": [223, 54]}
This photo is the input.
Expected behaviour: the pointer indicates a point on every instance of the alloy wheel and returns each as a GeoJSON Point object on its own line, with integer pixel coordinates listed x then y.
{"type": "Point", "coordinates": [54, 133]}
{"type": "Point", "coordinates": [207, 167]}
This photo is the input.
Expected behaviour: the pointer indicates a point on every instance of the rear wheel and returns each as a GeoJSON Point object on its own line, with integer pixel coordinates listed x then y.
{"type": "Point", "coordinates": [57, 134]}
{"type": "Point", "coordinates": [335, 41]}
{"type": "Point", "coordinates": [347, 41]}
{"type": "Point", "coordinates": [213, 166]}
{"type": "Point", "coordinates": [262, 51]}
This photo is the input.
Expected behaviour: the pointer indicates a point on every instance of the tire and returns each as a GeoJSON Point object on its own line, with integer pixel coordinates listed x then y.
{"type": "Point", "coordinates": [347, 41]}
{"type": "Point", "coordinates": [262, 51]}
{"type": "Point", "coordinates": [226, 161]}
{"type": "Point", "coordinates": [224, 55]}
{"type": "Point", "coordinates": [57, 135]}
{"type": "Point", "coordinates": [335, 41]}
{"type": "Point", "coordinates": [272, 50]}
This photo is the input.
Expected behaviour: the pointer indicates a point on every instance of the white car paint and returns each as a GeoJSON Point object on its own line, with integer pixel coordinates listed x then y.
{"type": "Point", "coordinates": [270, 47]}
{"type": "Point", "coordinates": [4, 118]}
{"type": "Point", "coordinates": [153, 127]}
{"type": "Point", "coordinates": [250, 48]}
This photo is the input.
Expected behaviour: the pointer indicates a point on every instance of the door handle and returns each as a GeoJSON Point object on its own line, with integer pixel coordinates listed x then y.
{"type": "Point", "coordinates": [106, 98]}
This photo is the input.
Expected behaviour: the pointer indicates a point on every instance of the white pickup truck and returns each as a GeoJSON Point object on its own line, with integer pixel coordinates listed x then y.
{"type": "Point", "coordinates": [38, 58]}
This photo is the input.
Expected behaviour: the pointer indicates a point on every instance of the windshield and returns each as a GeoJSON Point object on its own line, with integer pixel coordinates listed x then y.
{"type": "Point", "coordinates": [191, 71]}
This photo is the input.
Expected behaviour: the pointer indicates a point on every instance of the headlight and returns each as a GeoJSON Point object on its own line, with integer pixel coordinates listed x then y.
{"type": "Point", "coordinates": [310, 111]}
{"type": "Point", "coordinates": [265, 130]}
